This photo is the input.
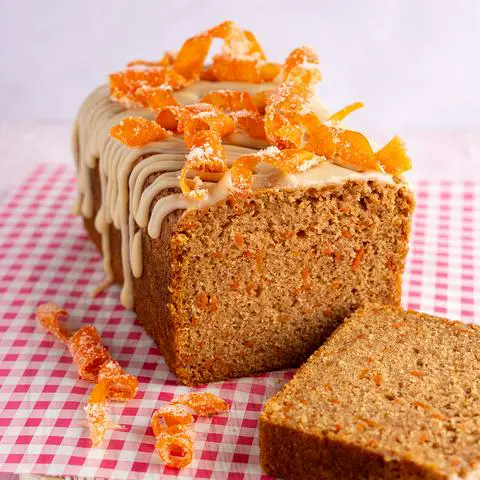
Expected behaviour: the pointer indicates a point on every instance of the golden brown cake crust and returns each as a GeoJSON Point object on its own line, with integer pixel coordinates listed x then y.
{"type": "Point", "coordinates": [257, 283]}
{"type": "Point", "coordinates": [391, 394]}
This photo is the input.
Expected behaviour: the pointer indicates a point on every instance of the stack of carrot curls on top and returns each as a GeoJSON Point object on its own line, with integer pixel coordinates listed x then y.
{"type": "Point", "coordinates": [298, 138]}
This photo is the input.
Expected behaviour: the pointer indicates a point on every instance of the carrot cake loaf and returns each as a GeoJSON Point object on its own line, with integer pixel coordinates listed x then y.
{"type": "Point", "coordinates": [392, 394]}
{"type": "Point", "coordinates": [243, 220]}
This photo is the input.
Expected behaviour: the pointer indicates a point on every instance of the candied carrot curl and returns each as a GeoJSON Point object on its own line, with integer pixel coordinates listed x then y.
{"type": "Point", "coordinates": [97, 410]}
{"type": "Point", "coordinates": [393, 157]}
{"type": "Point", "coordinates": [113, 384]}
{"type": "Point", "coordinates": [174, 118]}
{"type": "Point", "coordinates": [252, 123]}
{"type": "Point", "coordinates": [287, 103]}
{"type": "Point", "coordinates": [289, 161]}
{"type": "Point", "coordinates": [236, 42]}
{"type": "Point", "coordinates": [172, 426]}
{"type": "Point", "coordinates": [170, 415]}
{"type": "Point", "coordinates": [341, 114]}
{"type": "Point", "coordinates": [218, 122]}
{"type": "Point", "coordinates": [242, 171]}
{"type": "Point", "coordinates": [49, 316]}
{"type": "Point", "coordinates": [155, 97]}
{"type": "Point", "coordinates": [203, 403]}
{"type": "Point", "coordinates": [138, 131]}
{"type": "Point", "coordinates": [124, 84]}
{"type": "Point", "coordinates": [226, 68]}
{"type": "Point", "coordinates": [176, 451]}
{"type": "Point", "coordinates": [299, 56]}
{"type": "Point", "coordinates": [191, 57]}
{"type": "Point", "coordinates": [87, 352]}
{"type": "Point", "coordinates": [230, 100]}
{"type": "Point", "coordinates": [242, 58]}
{"type": "Point", "coordinates": [94, 364]}
{"type": "Point", "coordinates": [242, 108]}
{"type": "Point", "coordinates": [206, 155]}
{"type": "Point", "coordinates": [122, 386]}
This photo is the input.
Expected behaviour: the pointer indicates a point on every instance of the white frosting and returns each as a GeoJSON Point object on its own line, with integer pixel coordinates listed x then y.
{"type": "Point", "coordinates": [123, 170]}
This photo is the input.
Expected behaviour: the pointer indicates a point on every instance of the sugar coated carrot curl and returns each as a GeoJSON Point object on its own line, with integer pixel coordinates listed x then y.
{"type": "Point", "coordinates": [94, 364]}
{"type": "Point", "coordinates": [97, 410]}
{"type": "Point", "coordinates": [88, 352]}
{"type": "Point", "coordinates": [50, 316]}
{"type": "Point", "coordinates": [203, 403]}
{"type": "Point", "coordinates": [173, 426]}
{"type": "Point", "coordinates": [175, 450]}
{"type": "Point", "coordinates": [138, 131]}
{"type": "Point", "coordinates": [123, 386]}
{"type": "Point", "coordinates": [170, 415]}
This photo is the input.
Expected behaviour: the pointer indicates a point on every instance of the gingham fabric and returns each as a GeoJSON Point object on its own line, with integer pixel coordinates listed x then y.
{"type": "Point", "coordinates": [45, 256]}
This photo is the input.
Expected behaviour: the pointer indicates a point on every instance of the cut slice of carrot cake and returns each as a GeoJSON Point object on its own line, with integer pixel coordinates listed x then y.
{"type": "Point", "coordinates": [392, 394]}
{"type": "Point", "coordinates": [243, 220]}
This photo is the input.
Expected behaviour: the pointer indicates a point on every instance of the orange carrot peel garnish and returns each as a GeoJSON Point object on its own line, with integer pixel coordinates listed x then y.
{"type": "Point", "coordinates": [241, 59]}
{"type": "Point", "coordinates": [124, 84]}
{"type": "Point", "coordinates": [50, 316]}
{"type": "Point", "coordinates": [341, 114]}
{"type": "Point", "coordinates": [97, 410]}
{"type": "Point", "coordinates": [290, 123]}
{"type": "Point", "coordinates": [241, 107]}
{"type": "Point", "coordinates": [288, 161]}
{"type": "Point", "coordinates": [218, 122]}
{"type": "Point", "coordinates": [156, 97]}
{"type": "Point", "coordinates": [174, 118]}
{"type": "Point", "coordinates": [94, 364]}
{"type": "Point", "coordinates": [172, 426]}
{"type": "Point", "coordinates": [299, 56]}
{"type": "Point", "coordinates": [204, 404]}
{"type": "Point", "coordinates": [87, 352]}
{"type": "Point", "coordinates": [123, 386]}
{"type": "Point", "coordinates": [206, 155]}
{"type": "Point", "coordinates": [230, 101]}
{"type": "Point", "coordinates": [393, 157]}
{"type": "Point", "coordinates": [138, 131]}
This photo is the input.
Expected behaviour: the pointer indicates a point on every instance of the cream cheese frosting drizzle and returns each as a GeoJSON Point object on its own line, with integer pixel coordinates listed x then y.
{"type": "Point", "coordinates": [129, 205]}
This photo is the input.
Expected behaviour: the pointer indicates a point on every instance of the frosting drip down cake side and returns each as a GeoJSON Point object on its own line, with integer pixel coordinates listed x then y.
{"type": "Point", "coordinates": [242, 219]}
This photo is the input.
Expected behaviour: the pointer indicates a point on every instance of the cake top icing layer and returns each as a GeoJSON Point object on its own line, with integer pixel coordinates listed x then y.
{"type": "Point", "coordinates": [179, 134]}
{"type": "Point", "coordinates": [276, 110]}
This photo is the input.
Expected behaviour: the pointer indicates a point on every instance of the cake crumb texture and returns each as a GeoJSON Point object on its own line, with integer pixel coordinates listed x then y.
{"type": "Point", "coordinates": [257, 282]}
{"type": "Point", "coordinates": [392, 394]}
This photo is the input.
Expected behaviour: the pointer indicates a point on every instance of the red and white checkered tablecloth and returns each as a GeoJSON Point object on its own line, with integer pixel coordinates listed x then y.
{"type": "Point", "coordinates": [45, 255]}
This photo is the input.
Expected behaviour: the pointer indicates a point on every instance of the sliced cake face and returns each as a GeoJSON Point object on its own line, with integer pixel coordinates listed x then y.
{"type": "Point", "coordinates": [261, 281]}
{"type": "Point", "coordinates": [391, 394]}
